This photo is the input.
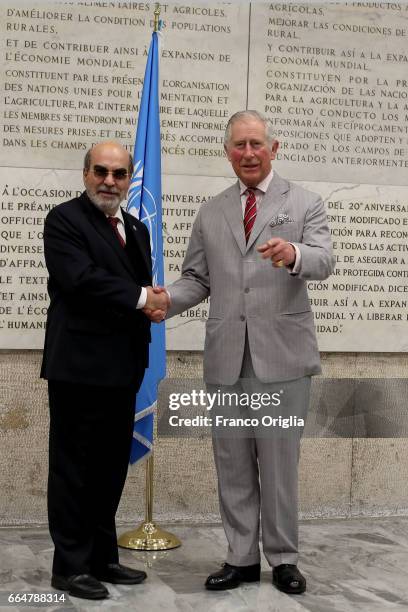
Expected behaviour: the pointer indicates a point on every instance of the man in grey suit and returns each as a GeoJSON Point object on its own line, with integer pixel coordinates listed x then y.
{"type": "Point", "coordinates": [252, 248]}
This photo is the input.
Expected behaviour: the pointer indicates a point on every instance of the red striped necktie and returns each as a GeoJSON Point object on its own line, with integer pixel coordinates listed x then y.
{"type": "Point", "coordinates": [114, 223]}
{"type": "Point", "coordinates": [250, 213]}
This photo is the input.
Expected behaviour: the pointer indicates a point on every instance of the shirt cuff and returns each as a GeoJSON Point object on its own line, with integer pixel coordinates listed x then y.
{"type": "Point", "coordinates": [295, 269]}
{"type": "Point", "coordinates": [141, 303]}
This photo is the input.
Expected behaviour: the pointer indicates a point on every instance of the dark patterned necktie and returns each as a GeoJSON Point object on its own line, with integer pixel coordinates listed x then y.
{"type": "Point", "coordinates": [250, 213]}
{"type": "Point", "coordinates": [113, 221]}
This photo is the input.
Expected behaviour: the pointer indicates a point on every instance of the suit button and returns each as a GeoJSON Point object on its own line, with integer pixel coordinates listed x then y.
{"type": "Point", "coordinates": [242, 318]}
{"type": "Point", "coordinates": [246, 290]}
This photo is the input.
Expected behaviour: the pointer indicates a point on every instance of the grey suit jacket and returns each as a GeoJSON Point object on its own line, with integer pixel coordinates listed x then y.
{"type": "Point", "coordinates": [247, 292]}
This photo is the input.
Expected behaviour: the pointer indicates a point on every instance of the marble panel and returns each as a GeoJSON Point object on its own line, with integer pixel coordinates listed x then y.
{"type": "Point", "coordinates": [339, 106]}
{"type": "Point", "coordinates": [66, 89]}
{"type": "Point", "coordinates": [379, 477]}
{"type": "Point", "coordinates": [332, 79]}
{"type": "Point", "coordinates": [325, 470]}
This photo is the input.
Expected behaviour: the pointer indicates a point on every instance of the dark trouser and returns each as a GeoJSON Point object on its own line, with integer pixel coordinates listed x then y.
{"type": "Point", "coordinates": [90, 438]}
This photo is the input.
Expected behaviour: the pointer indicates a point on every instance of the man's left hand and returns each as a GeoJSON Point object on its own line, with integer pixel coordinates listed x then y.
{"type": "Point", "coordinates": [280, 252]}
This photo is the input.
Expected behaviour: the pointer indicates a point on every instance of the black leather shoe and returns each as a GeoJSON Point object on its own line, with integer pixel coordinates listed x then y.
{"type": "Point", "coordinates": [288, 579]}
{"type": "Point", "coordinates": [120, 574]}
{"type": "Point", "coordinates": [80, 585]}
{"type": "Point", "coordinates": [231, 576]}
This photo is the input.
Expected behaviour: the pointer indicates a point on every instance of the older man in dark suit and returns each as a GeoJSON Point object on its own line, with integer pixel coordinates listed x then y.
{"type": "Point", "coordinates": [95, 355]}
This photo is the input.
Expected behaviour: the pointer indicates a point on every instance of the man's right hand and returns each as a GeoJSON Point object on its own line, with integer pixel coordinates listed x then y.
{"type": "Point", "coordinates": [157, 304]}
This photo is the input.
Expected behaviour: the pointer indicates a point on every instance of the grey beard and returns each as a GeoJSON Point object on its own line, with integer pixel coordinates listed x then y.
{"type": "Point", "coordinates": [108, 208]}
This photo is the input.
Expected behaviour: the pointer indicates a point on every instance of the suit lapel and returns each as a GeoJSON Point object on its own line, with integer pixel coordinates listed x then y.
{"type": "Point", "coordinates": [232, 210]}
{"type": "Point", "coordinates": [100, 223]}
{"type": "Point", "coordinates": [133, 233]}
{"type": "Point", "coordinates": [271, 203]}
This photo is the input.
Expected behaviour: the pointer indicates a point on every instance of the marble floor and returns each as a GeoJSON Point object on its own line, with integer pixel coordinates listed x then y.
{"type": "Point", "coordinates": [350, 565]}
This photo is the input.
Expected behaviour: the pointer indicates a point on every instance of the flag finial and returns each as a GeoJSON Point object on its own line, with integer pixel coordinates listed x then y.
{"type": "Point", "coordinates": [156, 17]}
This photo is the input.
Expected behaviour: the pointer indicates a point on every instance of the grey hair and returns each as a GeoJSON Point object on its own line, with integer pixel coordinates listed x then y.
{"type": "Point", "coordinates": [87, 162]}
{"type": "Point", "coordinates": [249, 114]}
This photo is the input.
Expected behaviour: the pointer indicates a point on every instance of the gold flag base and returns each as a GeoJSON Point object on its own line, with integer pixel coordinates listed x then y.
{"type": "Point", "coordinates": [148, 537]}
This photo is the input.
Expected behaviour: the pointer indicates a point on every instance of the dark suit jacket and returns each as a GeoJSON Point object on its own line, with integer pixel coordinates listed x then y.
{"type": "Point", "coordinates": [94, 333]}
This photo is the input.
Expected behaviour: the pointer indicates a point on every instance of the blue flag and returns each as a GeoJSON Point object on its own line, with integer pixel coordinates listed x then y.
{"type": "Point", "coordinates": [144, 202]}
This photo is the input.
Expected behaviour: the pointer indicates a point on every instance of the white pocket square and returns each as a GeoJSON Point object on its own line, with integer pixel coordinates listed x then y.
{"type": "Point", "coordinates": [280, 220]}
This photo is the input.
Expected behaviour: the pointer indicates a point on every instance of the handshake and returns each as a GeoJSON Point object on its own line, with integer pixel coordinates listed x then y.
{"type": "Point", "coordinates": [157, 304]}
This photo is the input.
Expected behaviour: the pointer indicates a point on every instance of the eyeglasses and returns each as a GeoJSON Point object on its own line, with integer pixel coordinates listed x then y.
{"type": "Point", "coordinates": [101, 172]}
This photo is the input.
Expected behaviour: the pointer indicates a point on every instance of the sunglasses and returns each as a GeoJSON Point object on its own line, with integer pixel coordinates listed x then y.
{"type": "Point", "coordinates": [101, 172]}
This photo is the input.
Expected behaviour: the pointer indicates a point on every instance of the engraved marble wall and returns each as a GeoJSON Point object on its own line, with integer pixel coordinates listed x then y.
{"type": "Point", "coordinates": [331, 77]}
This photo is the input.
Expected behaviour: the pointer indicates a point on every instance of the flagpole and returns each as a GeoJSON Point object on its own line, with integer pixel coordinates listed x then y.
{"type": "Point", "coordinates": [148, 536]}
{"type": "Point", "coordinates": [156, 17]}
